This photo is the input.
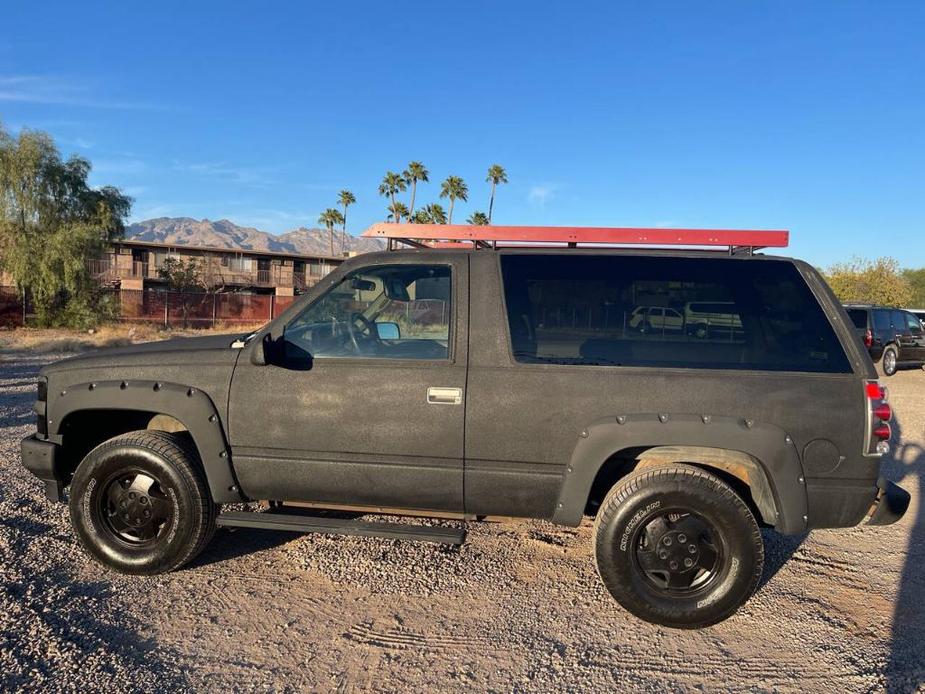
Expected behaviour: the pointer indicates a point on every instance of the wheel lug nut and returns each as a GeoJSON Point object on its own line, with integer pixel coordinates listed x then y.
{"type": "Point", "coordinates": [663, 555]}
{"type": "Point", "coordinates": [667, 541]}
{"type": "Point", "coordinates": [125, 516]}
{"type": "Point", "coordinates": [692, 549]}
{"type": "Point", "coordinates": [682, 538]}
{"type": "Point", "coordinates": [131, 495]}
{"type": "Point", "coordinates": [143, 500]}
{"type": "Point", "coordinates": [147, 513]}
{"type": "Point", "coordinates": [688, 563]}
{"type": "Point", "coordinates": [673, 565]}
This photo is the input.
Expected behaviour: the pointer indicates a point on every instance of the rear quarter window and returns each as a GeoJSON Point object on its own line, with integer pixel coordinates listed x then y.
{"type": "Point", "coordinates": [734, 314]}
{"type": "Point", "coordinates": [858, 316]}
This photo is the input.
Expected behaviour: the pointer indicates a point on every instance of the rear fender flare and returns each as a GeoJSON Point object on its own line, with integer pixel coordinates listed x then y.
{"type": "Point", "coordinates": [190, 406]}
{"type": "Point", "coordinates": [769, 446]}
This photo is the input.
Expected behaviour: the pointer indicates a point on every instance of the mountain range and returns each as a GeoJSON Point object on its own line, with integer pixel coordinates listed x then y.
{"type": "Point", "coordinates": [184, 231]}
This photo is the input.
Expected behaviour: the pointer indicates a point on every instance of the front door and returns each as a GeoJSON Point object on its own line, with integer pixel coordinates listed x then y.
{"type": "Point", "coordinates": [362, 403]}
{"type": "Point", "coordinates": [916, 338]}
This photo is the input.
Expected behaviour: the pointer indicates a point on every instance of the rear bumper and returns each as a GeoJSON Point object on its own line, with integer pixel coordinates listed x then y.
{"type": "Point", "coordinates": [891, 503]}
{"type": "Point", "coordinates": [42, 459]}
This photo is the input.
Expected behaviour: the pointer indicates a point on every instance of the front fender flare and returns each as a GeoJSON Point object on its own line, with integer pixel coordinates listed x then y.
{"type": "Point", "coordinates": [767, 444]}
{"type": "Point", "coordinates": [190, 406]}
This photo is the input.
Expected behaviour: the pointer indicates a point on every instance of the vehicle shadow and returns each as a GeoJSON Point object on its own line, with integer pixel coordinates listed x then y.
{"type": "Point", "coordinates": [905, 670]}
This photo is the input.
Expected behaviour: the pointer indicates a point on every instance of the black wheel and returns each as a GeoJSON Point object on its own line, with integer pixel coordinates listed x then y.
{"type": "Point", "coordinates": [140, 504]}
{"type": "Point", "coordinates": [677, 546]}
{"type": "Point", "coordinates": [890, 360]}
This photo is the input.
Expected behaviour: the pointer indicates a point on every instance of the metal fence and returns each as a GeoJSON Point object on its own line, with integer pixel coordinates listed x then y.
{"type": "Point", "coordinates": [170, 309]}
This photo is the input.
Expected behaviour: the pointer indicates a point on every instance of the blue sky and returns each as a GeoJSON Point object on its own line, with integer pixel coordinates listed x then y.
{"type": "Point", "coordinates": [806, 116]}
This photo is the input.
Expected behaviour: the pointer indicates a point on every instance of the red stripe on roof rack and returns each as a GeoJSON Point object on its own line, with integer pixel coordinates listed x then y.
{"type": "Point", "coordinates": [732, 238]}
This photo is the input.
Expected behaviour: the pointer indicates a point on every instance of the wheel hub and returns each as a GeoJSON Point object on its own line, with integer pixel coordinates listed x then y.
{"type": "Point", "coordinates": [676, 552]}
{"type": "Point", "coordinates": [134, 507]}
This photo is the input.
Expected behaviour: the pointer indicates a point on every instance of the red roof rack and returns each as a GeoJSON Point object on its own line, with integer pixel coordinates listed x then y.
{"type": "Point", "coordinates": [491, 236]}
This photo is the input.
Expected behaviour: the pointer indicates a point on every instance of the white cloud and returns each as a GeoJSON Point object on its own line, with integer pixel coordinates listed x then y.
{"type": "Point", "coordinates": [541, 193]}
{"type": "Point", "coordinates": [252, 176]}
{"type": "Point", "coordinates": [45, 89]}
{"type": "Point", "coordinates": [119, 166]}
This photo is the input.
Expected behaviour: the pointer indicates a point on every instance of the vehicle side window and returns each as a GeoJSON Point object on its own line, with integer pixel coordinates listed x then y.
{"type": "Point", "coordinates": [720, 314]}
{"type": "Point", "coordinates": [388, 312]}
{"type": "Point", "coordinates": [913, 324]}
{"type": "Point", "coordinates": [881, 320]}
{"type": "Point", "coordinates": [858, 316]}
{"type": "Point", "coordinates": [899, 322]}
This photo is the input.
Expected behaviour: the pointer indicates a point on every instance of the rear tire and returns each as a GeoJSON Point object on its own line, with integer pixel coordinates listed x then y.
{"type": "Point", "coordinates": [890, 360]}
{"type": "Point", "coordinates": [140, 504]}
{"type": "Point", "coordinates": [677, 546]}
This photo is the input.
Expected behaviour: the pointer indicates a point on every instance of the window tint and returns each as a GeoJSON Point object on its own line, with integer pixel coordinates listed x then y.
{"type": "Point", "coordinates": [913, 323]}
{"type": "Point", "coordinates": [575, 309]}
{"type": "Point", "coordinates": [391, 312]}
{"type": "Point", "coordinates": [881, 320]}
{"type": "Point", "coordinates": [858, 316]}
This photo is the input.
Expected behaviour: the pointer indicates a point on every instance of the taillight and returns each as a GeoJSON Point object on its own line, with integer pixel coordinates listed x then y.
{"type": "Point", "coordinates": [879, 413]}
{"type": "Point", "coordinates": [868, 338]}
{"type": "Point", "coordinates": [883, 412]}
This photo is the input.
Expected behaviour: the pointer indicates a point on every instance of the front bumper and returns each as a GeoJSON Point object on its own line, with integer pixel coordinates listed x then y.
{"type": "Point", "coordinates": [42, 459]}
{"type": "Point", "coordinates": [891, 503]}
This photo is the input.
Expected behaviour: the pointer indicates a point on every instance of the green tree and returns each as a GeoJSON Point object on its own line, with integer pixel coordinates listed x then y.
{"type": "Point", "coordinates": [398, 211]}
{"type": "Point", "coordinates": [496, 176]}
{"type": "Point", "coordinates": [183, 275]}
{"type": "Point", "coordinates": [345, 199]}
{"type": "Point", "coordinates": [329, 219]}
{"type": "Point", "coordinates": [51, 223]}
{"type": "Point", "coordinates": [392, 184]}
{"type": "Point", "coordinates": [869, 281]}
{"type": "Point", "coordinates": [916, 281]}
{"type": "Point", "coordinates": [455, 189]}
{"type": "Point", "coordinates": [478, 219]}
{"type": "Point", "coordinates": [415, 172]}
{"type": "Point", "coordinates": [434, 213]}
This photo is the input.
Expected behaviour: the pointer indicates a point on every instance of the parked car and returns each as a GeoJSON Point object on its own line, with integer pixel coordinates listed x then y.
{"type": "Point", "coordinates": [893, 337]}
{"type": "Point", "coordinates": [648, 319]}
{"type": "Point", "coordinates": [679, 448]}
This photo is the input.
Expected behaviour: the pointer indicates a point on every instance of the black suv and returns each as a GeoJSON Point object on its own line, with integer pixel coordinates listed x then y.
{"type": "Point", "coordinates": [893, 337]}
{"type": "Point", "coordinates": [478, 381]}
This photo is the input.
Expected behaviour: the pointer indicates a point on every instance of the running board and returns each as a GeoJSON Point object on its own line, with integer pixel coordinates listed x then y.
{"type": "Point", "coordinates": [340, 526]}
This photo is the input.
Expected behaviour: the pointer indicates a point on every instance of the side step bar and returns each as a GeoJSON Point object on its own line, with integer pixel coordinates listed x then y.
{"type": "Point", "coordinates": [340, 526]}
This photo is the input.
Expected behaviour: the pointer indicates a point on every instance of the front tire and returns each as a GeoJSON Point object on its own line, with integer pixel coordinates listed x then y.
{"type": "Point", "coordinates": [139, 503]}
{"type": "Point", "coordinates": [677, 546]}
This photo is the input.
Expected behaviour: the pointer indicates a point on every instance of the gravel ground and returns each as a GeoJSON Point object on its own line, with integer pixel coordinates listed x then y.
{"type": "Point", "coordinates": [518, 608]}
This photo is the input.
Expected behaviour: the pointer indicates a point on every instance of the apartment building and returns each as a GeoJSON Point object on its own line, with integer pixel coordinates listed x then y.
{"type": "Point", "coordinates": [133, 265]}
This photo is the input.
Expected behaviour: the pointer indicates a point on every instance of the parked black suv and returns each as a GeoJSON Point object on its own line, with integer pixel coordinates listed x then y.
{"type": "Point", "coordinates": [893, 337]}
{"type": "Point", "coordinates": [493, 382]}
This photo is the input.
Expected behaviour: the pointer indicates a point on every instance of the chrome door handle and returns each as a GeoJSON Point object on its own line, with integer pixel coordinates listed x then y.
{"type": "Point", "coordinates": [444, 396]}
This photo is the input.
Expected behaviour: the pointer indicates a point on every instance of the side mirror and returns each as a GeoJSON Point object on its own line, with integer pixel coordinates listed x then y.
{"type": "Point", "coordinates": [388, 330]}
{"type": "Point", "coordinates": [262, 350]}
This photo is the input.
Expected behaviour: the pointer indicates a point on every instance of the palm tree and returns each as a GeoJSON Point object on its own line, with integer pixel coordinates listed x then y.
{"type": "Point", "coordinates": [392, 184]}
{"type": "Point", "coordinates": [434, 213]}
{"type": "Point", "coordinates": [454, 188]}
{"type": "Point", "coordinates": [345, 199]}
{"type": "Point", "coordinates": [420, 217]}
{"type": "Point", "coordinates": [478, 218]}
{"type": "Point", "coordinates": [397, 210]}
{"type": "Point", "coordinates": [329, 219]}
{"type": "Point", "coordinates": [496, 175]}
{"type": "Point", "coordinates": [415, 172]}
